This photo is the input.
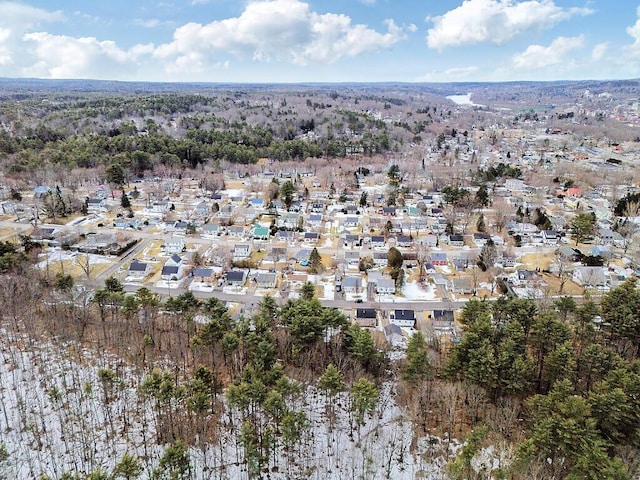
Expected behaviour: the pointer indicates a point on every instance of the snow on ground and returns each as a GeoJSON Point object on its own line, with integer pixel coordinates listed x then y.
{"type": "Point", "coordinates": [413, 291]}
{"type": "Point", "coordinates": [58, 416]}
{"type": "Point", "coordinates": [55, 255]}
{"type": "Point", "coordinates": [201, 286]}
{"type": "Point", "coordinates": [234, 290]}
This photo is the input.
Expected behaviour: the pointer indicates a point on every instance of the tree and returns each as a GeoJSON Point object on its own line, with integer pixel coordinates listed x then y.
{"type": "Point", "coordinates": [115, 175]}
{"type": "Point", "coordinates": [174, 463]}
{"type": "Point", "coordinates": [364, 398]}
{"type": "Point", "coordinates": [487, 256]}
{"type": "Point", "coordinates": [621, 312]}
{"type": "Point", "coordinates": [315, 261]}
{"type": "Point", "coordinates": [128, 468]}
{"type": "Point", "coordinates": [393, 174]}
{"type": "Point", "coordinates": [124, 200]}
{"type": "Point", "coordinates": [481, 226]}
{"type": "Point", "coordinates": [563, 437]}
{"type": "Point", "coordinates": [63, 282]}
{"type": "Point", "coordinates": [287, 190]}
{"type": "Point", "coordinates": [482, 196]}
{"type": "Point", "coordinates": [394, 258]}
{"type": "Point", "coordinates": [363, 199]}
{"type": "Point", "coordinates": [582, 227]}
{"type": "Point", "coordinates": [417, 366]}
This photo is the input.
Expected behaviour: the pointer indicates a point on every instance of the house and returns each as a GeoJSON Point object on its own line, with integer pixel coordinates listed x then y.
{"type": "Point", "coordinates": [366, 317]}
{"type": "Point", "coordinates": [276, 254]}
{"type": "Point", "coordinates": [212, 230]}
{"type": "Point", "coordinates": [438, 258]}
{"type": "Point", "coordinates": [507, 261]}
{"type": "Point", "coordinates": [138, 269]}
{"type": "Point", "coordinates": [311, 237]}
{"type": "Point", "coordinates": [174, 260]}
{"type": "Point", "coordinates": [260, 232]}
{"type": "Point", "coordinates": [296, 280]}
{"type": "Point", "coordinates": [267, 280]}
{"type": "Point", "coordinates": [160, 206]}
{"type": "Point", "coordinates": [236, 278]}
{"type": "Point", "coordinates": [352, 258]}
{"type": "Point", "coordinates": [289, 220]}
{"type": "Point", "coordinates": [241, 251]}
{"type": "Point", "coordinates": [170, 272]}
{"type": "Point", "coordinates": [403, 318]}
{"type": "Point", "coordinates": [404, 241]}
{"type": "Point", "coordinates": [205, 274]}
{"type": "Point", "coordinates": [96, 205]}
{"type": "Point", "coordinates": [179, 226]}
{"type": "Point", "coordinates": [174, 245]}
{"type": "Point", "coordinates": [429, 241]}
{"type": "Point", "coordinates": [442, 319]}
{"type": "Point", "coordinates": [286, 236]}
{"type": "Point", "coordinates": [550, 237]}
{"type": "Point", "coordinates": [352, 240]}
{"type": "Point", "coordinates": [389, 211]}
{"type": "Point", "coordinates": [236, 231]}
{"type": "Point", "coordinates": [350, 222]}
{"type": "Point", "coordinates": [385, 286]}
{"type": "Point", "coordinates": [257, 203]}
{"type": "Point", "coordinates": [352, 284]}
{"type": "Point", "coordinates": [315, 219]}
{"type": "Point", "coordinates": [480, 239]}
{"type": "Point", "coordinates": [609, 237]}
{"type": "Point", "coordinates": [569, 254]}
{"type": "Point", "coordinates": [462, 285]}
{"type": "Point", "coordinates": [590, 276]}
{"type": "Point", "coordinates": [456, 240]}
{"type": "Point", "coordinates": [316, 207]}
{"type": "Point", "coordinates": [378, 241]}
{"type": "Point", "coordinates": [202, 209]}
{"type": "Point", "coordinates": [380, 259]}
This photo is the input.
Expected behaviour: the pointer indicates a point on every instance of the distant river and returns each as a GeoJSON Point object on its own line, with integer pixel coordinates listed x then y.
{"type": "Point", "coordinates": [463, 100]}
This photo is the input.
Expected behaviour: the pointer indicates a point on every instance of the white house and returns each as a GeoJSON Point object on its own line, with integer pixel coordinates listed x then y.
{"type": "Point", "coordinates": [241, 251]}
{"type": "Point", "coordinates": [403, 318]}
{"type": "Point", "coordinates": [590, 276]}
{"type": "Point", "coordinates": [267, 280]}
{"type": "Point", "coordinates": [174, 245]}
{"type": "Point", "coordinates": [352, 285]}
{"type": "Point", "coordinates": [385, 286]}
{"type": "Point", "coordinates": [138, 269]}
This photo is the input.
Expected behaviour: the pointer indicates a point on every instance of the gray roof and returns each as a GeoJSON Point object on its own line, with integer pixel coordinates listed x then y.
{"type": "Point", "coordinates": [169, 270]}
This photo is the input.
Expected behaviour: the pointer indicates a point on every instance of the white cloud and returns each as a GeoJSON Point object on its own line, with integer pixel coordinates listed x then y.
{"type": "Point", "coordinates": [60, 56]}
{"type": "Point", "coordinates": [21, 17]}
{"type": "Point", "coordinates": [496, 21]}
{"type": "Point", "coordinates": [634, 32]}
{"type": "Point", "coordinates": [283, 30]}
{"type": "Point", "coordinates": [599, 51]}
{"type": "Point", "coordinates": [538, 56]}
{"type": "Point", "coordinates": [266, 31]}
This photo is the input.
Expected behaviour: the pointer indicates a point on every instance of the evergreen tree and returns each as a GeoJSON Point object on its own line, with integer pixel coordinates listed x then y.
{"type": "Point", "coordinates": [124, 201]}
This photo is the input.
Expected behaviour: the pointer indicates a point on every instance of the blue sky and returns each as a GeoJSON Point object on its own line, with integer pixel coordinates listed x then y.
{"type": "Point", "coordinates": [321, 40]}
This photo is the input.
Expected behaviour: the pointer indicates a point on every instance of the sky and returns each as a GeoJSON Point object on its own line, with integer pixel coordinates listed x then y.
{"type": "Point", "coordinates": [292, 41]}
